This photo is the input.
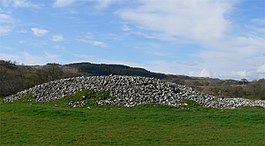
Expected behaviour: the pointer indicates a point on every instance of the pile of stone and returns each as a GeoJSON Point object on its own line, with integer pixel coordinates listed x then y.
{"type": "Point", "coordinates": [131, 91]}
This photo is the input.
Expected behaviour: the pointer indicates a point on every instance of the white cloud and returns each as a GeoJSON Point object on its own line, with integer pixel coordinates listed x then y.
{"type": "Point", "coordinates": [261, 69]}
{"type": "Point", "coordinates": [100, 4]}
{"type": "Point", "coordinates": [256, 26]}
{"type": "Point", "coordinates": [93, 42]}
{"type": "Point", "coordinates": [57, 38]}
{"type": "Point", "coordinates": [18, 3]}
{"type": "Point", "coordinates": [181, 18]}
{"type": "Point", "coordinates": [105, 3]}
{"type": "Point", "coordinates": [162, 66]}
{"type": "Point", "coordinates": [27, 58]}
{"type": "Point", "coordinates": [126, 28]}
{"type": "Point", "coordinates": [174, 67]}
{"type": "Point", "coordinates": [23, 31]}
{"type": "Point", "coordinates": [4, 30]}
{"type": "Point", "coordinates": [98, 43]}
{"type": "Point", "coordinates": [63, 3]}
{"type": "Point", "coordinates": [113, 36]}
{"type": "Point", "coordinates": [204, 73]}
{"type": "Point", "coordinates": [39, 31]}
{"type": "Point", "coordinates": [5, 18]}
{"type": "Point", "coordinates": [206, 24]}
{"type": "Point", "coordinates": [89, 39]}
{"type": "Point", "coordinates": [59, 47]}
{"type": "Point", "coordinates": [6, 23]}
{"type": "Point", "coordinates": [239, 53]}
{"type": "Point", "coordinates": [241, 74]}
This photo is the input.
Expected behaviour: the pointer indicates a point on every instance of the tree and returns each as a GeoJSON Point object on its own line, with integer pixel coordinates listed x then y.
{"type": "Point", "coordinates": [244, 81]}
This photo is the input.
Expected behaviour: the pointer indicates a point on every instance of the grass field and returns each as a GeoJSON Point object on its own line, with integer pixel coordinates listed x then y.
{"type": "Point", "coordinates": [31, 123]}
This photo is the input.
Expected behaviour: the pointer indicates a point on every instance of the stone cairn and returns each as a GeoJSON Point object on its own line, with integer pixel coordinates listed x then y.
{"type": "Point", "coordinates": [131, 91]}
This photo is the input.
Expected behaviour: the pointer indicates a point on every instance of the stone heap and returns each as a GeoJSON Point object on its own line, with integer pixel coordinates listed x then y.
{"type": "Point", "coordinates": [131, 91]}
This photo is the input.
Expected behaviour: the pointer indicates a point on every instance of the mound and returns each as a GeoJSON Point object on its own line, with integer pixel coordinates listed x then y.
{"type": "Point", "coordinates": [131, 91]}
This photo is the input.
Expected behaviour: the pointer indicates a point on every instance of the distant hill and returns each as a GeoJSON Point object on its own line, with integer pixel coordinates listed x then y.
{"type": "Point", "coordinates": [14, 78]}
{"type": "Point", "coordinates": [107, 69]}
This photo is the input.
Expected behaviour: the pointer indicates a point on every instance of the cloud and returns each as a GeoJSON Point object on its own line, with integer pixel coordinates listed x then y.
{"type": "Point", "coordinates": [5, 30]}
{"type": "Point", "coordinates": [59, 47]}
{"type": "Point", "coordinates": [256, 26]}
{"type": "Point", "coordinates": [185, 19]}
{"type": "Point", "coordinates": [126, 28]}
{"type": "Point", "coordinates": [206, 24]}
{"type": "Point", "coordinates": [39, 32]}
{"type": "Point", "coordinates": [89, 39]}
{"type": "Point", "coordinates": [19, 3]}
{"type": "Point", "coordinates": [261, 69]}
{"type": "Point", "coordinates": [105, 3]}
{"type": "Point", "coordinates": [63, 3]}
{"type": "Point", "coordinates": [162, 66]}
{"type": "Point", "coordinates": [57, 38]}
{"type": "Point", "coordinates": [191, 63]}
{"type": "Point", "coordinates": [235, 54]}
{"type": "Point", "coordinates": [116, 37]}
{"type": "Point", "coordinates": [93, 42]}
{"type": "Point", "coordinates": [6, 23]}
{"type": "Point", "coordinates": [23, 31]}
{"type": "Point", "coordinates": [98, 43]}
{"type": "Point", "coordinates": [100, 4]}
{"type": "Point", "coordinates": [175, 67]}
{"type": "Point", "coordinates": [204, 73]}
{"type": "Point", "coordinates": [29, 59]}
{"type": "Point", "coordinates": [242, 74]}
{"type": "Point", "coordinates": [5, 18]}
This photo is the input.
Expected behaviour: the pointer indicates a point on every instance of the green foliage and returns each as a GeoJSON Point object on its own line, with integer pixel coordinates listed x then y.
{"type": "Point", "coordinates": [1, 100]}
{"type": "Point", "coordinates": [103, 95]}
{"type": "Point", "coordinates": [45, 124]}
{"type": "Point", "coordinates": [88, 96]}
{"type": "Point", "coordinates": [107, 69]}
{"type": "Point", "coordinates": [223, 88]}
{"type": "Point", "coordinates": [27, 98]}
{"type": "Point", "coordinates": [191, 105]}
{"type": "Point", "coordinates": [14, 78]}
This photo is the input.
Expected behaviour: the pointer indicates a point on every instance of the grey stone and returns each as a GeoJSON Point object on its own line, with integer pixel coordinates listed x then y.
{"type": "Point", "coordinates": [130, 91]}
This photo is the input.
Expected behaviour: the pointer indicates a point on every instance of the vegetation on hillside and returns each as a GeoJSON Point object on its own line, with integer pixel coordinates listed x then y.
{"type": "Point", "coordinates": [105, 69]}
{"type": "Point", "coordinates": [14, 78]}
{"type": "Point", "coordinates": [223, 88]}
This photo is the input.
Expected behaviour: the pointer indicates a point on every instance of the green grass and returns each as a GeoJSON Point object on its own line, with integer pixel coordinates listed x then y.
{"type": "Point", "coordinates": [55, 123]}
{"type": "Point", "coordinates": [90, 98]}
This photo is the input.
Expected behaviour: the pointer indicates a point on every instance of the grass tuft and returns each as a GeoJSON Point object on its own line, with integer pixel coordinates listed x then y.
{"type": "Point", "coordinates": [191, 105]}
{"type": "Point", "coordinates": [30, 97]}
{"type": "Point", "coordinates": [83, 98]}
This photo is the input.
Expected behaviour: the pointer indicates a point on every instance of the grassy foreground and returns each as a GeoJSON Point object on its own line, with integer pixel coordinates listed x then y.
{"type": "Point", "coordinates": [30, 123]}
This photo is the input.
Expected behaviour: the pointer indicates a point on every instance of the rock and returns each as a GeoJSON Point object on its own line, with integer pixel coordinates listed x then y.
{"type": "Point", "coordinates": [130, 91]}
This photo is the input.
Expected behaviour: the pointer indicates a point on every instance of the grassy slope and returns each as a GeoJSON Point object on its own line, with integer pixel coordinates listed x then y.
{"type": "Point", "coordinates": [29, 123]}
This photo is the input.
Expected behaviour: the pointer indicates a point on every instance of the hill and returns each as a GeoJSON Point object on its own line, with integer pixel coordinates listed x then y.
{"type": "Point", "coordinates": [15, 78]}
{"type": "Point", "coordinates": [107, 69]}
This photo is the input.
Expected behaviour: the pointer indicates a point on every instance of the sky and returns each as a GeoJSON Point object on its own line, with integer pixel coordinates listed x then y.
{"type": "Point", "coordinates": [203, 38]}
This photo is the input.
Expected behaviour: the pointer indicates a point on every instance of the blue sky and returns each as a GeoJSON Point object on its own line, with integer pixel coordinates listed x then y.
{"type": "Point", "coordinates": [208, 38]}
